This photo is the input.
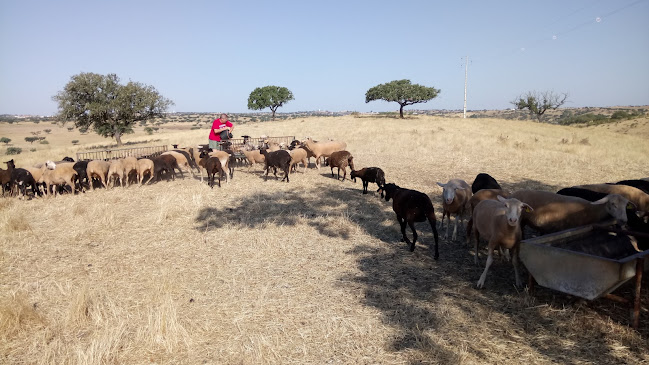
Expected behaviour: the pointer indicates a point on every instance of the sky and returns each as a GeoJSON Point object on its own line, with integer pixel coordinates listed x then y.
{"type": "Point", "coordinates": [208, 56]}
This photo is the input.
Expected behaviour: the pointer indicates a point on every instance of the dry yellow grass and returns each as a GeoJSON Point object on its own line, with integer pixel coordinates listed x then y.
{"type": "Point", "coordinates": [308, 272]}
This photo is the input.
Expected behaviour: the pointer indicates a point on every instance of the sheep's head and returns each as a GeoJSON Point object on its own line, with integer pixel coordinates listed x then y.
{"type": "Point", "coordinates": [10, 164]}
{"type": "Point", "coordinates": [50, 165]}
{"type": "Point", "coordinates": [204, 153]}
{"type": "Point", "coordinates": [448, 195]}
{"type": "Point", "coordinates": [513, 209]}
{"type": "Point", "coordinates": [353, 175]}
{"type": "Point", "coordinates": [616, 206]}
{"type": "Point", "coordinates": [390, 189]}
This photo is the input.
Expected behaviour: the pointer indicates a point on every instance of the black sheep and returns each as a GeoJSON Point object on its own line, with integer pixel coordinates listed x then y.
{"type": "Point", "coordinates": [412, 206]}
{"type": "Point", "coordinates": [212, 165]}
{"type": "Point", "coordinates": [368, 175]}
{"type": "Point", "coordinates": [638, 184]}
{"type": "Point", "coordinates": [22, 178]}
{"type": "Point", "coordinates": [277, 159]}
{"type": "Point", "coordinates": [82, 176]}
{"type": "Point", "coordinates": [484, 181]}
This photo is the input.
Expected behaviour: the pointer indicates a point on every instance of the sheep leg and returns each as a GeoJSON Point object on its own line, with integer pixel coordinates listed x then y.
{"type": "Point", "coordinates": [411, 224]}
{"type": "Point", "coordinates": [365, 184]}
{"type": "Point", "coordinates": [332, 171]}
{"type": "Point", "coordinates": [433, 226]}
{"type": "Point", "coordinates": [515, 262]}
{"type": "Point", "coordinates": [476, 237]}
{"type": "Point", "coordinates": [402, 223]}
{"type": "Point", "coordinates": [457, 218]}
{"type": "Point", "coordinates": [267, 171]}
{"type": "Point", "coordinates": [490, 260]}
{"type": "Point", "coordinates": [220, 177]}
{"type": "Point", "coordinates": [344, 172]}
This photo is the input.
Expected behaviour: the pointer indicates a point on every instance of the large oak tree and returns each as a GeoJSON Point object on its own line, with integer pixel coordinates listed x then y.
{"type": "Point", "coordinates": [269, 97]}
{"type": "Point", "coordinates": [402, 92]}
{"type": "Point", "coordinates": [111, 109]}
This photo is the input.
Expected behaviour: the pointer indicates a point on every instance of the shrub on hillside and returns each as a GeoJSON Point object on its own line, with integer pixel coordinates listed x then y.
{"type": "Point", "coordinates": [13, 151]}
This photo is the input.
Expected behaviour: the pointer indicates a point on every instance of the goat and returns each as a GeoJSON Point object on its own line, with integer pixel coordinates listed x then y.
{"type": "Point", "coordinates": [368, 175]}
{"type": "Point", "coordinates": [412, 206]}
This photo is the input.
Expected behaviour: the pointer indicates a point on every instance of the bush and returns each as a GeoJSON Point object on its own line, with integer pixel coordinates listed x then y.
{"type": "Point", "coordinates": [13, 151]}
{"type": "Point", "coordinates": [48, 131]}
{"type": "Point", "coordinates": [5, 140]}
{"type": "Point", "coordinates": [148, 130]}
{"type": "Point", "coordinates": [44, 142]}
{"type": "Point", "coordinates": [70, 129]}
{"type": "Point", "coordinates": [32, 150]}
{"type": "Point", "coordinates": [584, 118]}
{"type": "Point", "coordinates": [75, 141]}
{"type": "Point", "coordinates": [623, 114]}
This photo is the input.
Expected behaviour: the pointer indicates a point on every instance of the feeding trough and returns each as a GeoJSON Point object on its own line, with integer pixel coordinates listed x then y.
{"type": "Point", "coordinates": [589, 262]}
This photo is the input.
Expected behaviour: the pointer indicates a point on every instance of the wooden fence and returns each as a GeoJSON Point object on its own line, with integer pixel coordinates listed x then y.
{"type": "Point", "coordinates": [121, 153]}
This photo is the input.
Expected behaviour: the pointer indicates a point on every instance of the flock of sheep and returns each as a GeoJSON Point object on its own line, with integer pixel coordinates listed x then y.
{"type": "Point", "coordinates": [494, 214]}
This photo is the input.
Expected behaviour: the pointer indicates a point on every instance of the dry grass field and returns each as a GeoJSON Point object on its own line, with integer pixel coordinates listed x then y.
{"type": "Point", "coordinates": [309, 272]}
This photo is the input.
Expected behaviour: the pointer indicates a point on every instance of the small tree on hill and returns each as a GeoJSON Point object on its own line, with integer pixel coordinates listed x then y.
{"type": "Point", "coordinates": [269, 97]}
{"type": "Point", "coordinates": [539, 102]}
{"type": "Point", "coordinates": [110, 108]}
{"type": "Point", "coordinates": [5, 140]}
{"type": "Point", "coordinates": [32, 139]}
{"type": "Point", "coordinates": [402, 92]}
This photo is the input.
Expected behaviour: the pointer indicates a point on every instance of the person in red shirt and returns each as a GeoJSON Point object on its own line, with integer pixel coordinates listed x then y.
{"type": "Point", "coordinates": [219, 125]}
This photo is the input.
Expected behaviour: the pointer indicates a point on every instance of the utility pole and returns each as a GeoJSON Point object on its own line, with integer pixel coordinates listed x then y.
{"type": "Point", "coordinates": [466, 74]}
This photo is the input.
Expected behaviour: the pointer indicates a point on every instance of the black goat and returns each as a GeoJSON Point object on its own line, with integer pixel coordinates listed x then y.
{"type": "Point", "coordinates": [368, 175]}
{"type": "Point", "coordinates": [82, 176]}
{"type": "Point", "coordinates": [412, 206]}
{"type": "Point", "coordinates": [484, 181]}
{"type": "Point", "coordinates": [277, 159]}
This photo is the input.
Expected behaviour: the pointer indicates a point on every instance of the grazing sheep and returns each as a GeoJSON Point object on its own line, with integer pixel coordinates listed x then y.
{"type": "Point", "coordinates": [81, 168]}
{"type": "Point", "coordinates": [36, 174]}
{"type": "Point", "coordinates": [498, 221]}
{"type": "Point", "coordinates": [188, 152]}
{"type": "Point", "coordinates": [212, 165]}
{"type": "Point", "coordinates": [21, 179]}
{"type": "Point", "coordinates": [167, 164]}
{"type": "Point", "coordinates": [412, 206]}
{"type": "Point", "coordinates": [455, 196]}
{"type": "Point", "coordinates": [144, 166]}
{"type": "Point", "coordinates": [639, 184]}
{"type": "Point", "coordinates": [223, 156]}
{"type": "Point", "coordinates": [554, 212]}
{"type": "Point", "coordinates": [277, 159]}
{"type": "Point", "coordinates": [635, 195]}
{"type": "Point", "coordinates": [182, 161]}
{"type": "Point", "coordinates": [5, 176]}
{"type": "Point", "coordinates": [298, 155]}
{"type": "Point", "coordinates": [323, 149]}
{"type": "Point", "coordinates": [368, 175]}
{"type": "Point", "coordinates": [58, 174]}
{"type": "Point", "coordinates": [115, 171]}
{"type": "Point", "coordinates": [130, 168]}
{"type": "Point", "coordinates": [254, 157]}
{"type": "Point", "coordinates": [484, 181]}
{"type": "Point", "coordinates": [340, 159]}
{"type": "Point", "coordinates": [97, 169]}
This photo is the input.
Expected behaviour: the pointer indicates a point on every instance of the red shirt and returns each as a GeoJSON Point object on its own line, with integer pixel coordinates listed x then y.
{"type": "Point", "coordinates": [218, 125]}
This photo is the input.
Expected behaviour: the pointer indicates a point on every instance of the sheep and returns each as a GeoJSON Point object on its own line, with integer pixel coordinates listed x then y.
{"type": "Point", "coordinates": [271, 146]}
{"type": "Point", "coordinates": [498, 221]}
{"type": "Point", "coordinates": [298, 155]}
{"type": "Point", "coordinates": [232, 160]}
{"type": "Point", "coordinates": [554, 212]}
{"type": "Point", "coordinates": [166, 163]}
{"type": "Point", "coordinates": [5, 175]}
{"type": "Point", "coordinates": [97, 169]}
{"type": "Point", "coordinates": [281, 159]}
{"type": "Point", "coordinates": [145, 165]}
{"type": "Point", "coordinates": [640, 184]}
{"type": "Point", "coordinates": [412, 206]}
{"type": "Point", "coordinates": [188, 152]}
{"type": "Point", "coordinates": [484, 194]}
{"type": "Point", "coordinates": [368, 175]}
{"type": "Point", "coordinates": [212, 165]}
{"type": "Point", "coordinates": [323, 149]}
{"type": "Point", "coordinates": [81, 168]}
{"type": "Point", "coordinates": [130, 167]}
{"type": "Point", "coordinates": [639, 198]}
{"type": "Point", "coordinates": [254, 157]}
{"type": "Point", "coordinates": [116, 171]}
{"type": "Point", "coordinates": [484, 181]}
{"type": "Point", "coordinates": [223, 156]}
{"type": "Point", "coordinates": [340, 159]}
{"type": "Point", "coordinates": [56, 174]}
{"type": "Point", "coordinates": [36, 174]}
{"type": "Point", "coordinates": [21, 178]}
{"type": "Point", "coordinates": [182, 161]}
{"type": "Point", "coordinates": [455, 196]}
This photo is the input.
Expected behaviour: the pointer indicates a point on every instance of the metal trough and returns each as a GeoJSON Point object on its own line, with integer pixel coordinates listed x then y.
{"type": "Point", "coordinates": [589, 262]}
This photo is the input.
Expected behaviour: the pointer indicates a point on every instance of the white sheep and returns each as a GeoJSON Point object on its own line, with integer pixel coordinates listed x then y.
{"type": "Point", "coordinates": [498, 221]}
{"type": "Point", "coordinates": [555, 212]}
{"type": "Point", "coordinates": [115, 171]}
{"type": "Point", "coordinates": [455, 197]}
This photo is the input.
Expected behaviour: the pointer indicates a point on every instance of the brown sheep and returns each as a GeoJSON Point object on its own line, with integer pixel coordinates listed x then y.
{"type": "Point", "coordinates": [455, 197]}
{"type": "Point", "coordinates": [323, 149]}
{"type": "Point", "coordinates": [97, 169]}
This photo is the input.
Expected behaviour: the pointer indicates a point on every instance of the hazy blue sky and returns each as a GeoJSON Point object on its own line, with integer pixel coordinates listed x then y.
{"type": "Point", "coordinates": [207, 56]}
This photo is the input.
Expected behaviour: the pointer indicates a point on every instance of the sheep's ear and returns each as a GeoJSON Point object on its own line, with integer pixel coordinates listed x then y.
{"type": "Point", "coordinates": [631, 205]}
{"type": "Point", "coordinates": [527, 208]}
{"type": "Point", "coordinates": [604, 200]}
{"type": "Point", "coordinates": [500, 198]}
{"type": "Point", "coordinates": [440, 184]}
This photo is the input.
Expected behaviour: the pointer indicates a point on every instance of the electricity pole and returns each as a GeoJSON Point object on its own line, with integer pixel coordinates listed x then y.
{"type": "Point", "coordinates": [466, 73]}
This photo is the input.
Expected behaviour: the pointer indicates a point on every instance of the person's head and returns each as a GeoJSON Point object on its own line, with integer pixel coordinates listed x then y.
{"type": "Point", "coordinates": [223, 117]}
